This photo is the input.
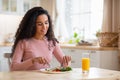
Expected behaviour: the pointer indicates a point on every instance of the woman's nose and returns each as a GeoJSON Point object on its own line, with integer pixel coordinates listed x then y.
{"type": "Point", "coordinates": [44, 26]}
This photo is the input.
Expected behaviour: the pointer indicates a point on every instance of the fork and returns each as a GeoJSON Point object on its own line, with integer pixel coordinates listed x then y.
{"type": "Point", "coordinates": [49, 65]}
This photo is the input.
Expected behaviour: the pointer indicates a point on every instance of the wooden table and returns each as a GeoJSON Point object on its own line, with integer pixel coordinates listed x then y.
{"type": "Point", "coordinates": [75, 74]}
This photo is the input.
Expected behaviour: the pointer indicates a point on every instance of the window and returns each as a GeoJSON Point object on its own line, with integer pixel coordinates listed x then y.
{"type": "Point", "coordinates": [83, 17]}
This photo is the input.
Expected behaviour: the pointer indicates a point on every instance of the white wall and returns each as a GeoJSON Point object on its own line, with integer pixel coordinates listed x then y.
{"type": "Point", "coordinates": [8, 24]}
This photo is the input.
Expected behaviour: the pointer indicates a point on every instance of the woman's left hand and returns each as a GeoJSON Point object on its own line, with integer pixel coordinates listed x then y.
{"type": "Point", "coordinates": [66, 61]}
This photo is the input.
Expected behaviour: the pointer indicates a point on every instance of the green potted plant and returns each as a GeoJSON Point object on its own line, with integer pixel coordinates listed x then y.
{"type": "Point", "coordinates": [74, 39]}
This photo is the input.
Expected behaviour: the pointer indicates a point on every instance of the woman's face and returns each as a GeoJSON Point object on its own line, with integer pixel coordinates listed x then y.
{"type": "Point", "coordinates": [42, 25]}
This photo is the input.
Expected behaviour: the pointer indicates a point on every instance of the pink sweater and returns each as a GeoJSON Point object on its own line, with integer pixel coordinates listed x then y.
{"type": "Point", "coordinates": [31, 48]}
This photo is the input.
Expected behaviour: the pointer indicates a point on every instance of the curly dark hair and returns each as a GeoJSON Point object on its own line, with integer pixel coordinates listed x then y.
{"type": "Point", "coordinates": [27, 27]}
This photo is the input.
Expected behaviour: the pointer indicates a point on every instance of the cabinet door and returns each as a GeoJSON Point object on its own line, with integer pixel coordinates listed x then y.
{"type": "Point", "coordinates": [54, 62]}
{"type": "Point", "coordinates": [8, 6]}
{"type": "Point", "coordinates": [24, 5]}
{"type": "Point", "coordinates": [75, 55]}
{"type": "Point", "coordinates": [109, 60]}
{"type": "Point", "coordinates": [17, 6]}
{"type": "Point", "coordinates": [3, 61]}
{"type": "Point", "coordinates": [94, 59]}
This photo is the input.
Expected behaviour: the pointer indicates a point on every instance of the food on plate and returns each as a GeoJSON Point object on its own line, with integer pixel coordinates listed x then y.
{"type": "Point", "coordinates": [60, 69]}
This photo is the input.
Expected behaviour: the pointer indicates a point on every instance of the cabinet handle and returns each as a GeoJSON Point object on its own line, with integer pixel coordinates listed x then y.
{"type": "Point", "coordinates": [72, 50]}
{"type": "Point", "coordinates": [72, 61]}
{"type": "Point", "coordinates": [92, 51]}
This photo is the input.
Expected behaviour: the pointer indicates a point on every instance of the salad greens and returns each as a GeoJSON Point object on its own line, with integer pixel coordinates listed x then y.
{"type": "Point", "coordinates": [66, 69]}
{"type": "Point", "coordinates": [60, 69]}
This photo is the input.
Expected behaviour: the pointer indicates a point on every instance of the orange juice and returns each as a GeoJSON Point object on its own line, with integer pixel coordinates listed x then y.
{"type": "Point", "coordinates": [85, 64]}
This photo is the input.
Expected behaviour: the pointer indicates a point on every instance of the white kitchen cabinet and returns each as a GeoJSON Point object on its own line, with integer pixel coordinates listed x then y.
{"type": "Point", "coordinates": [95, 59]}
{"type": "Point", "coordinates": [76, 58]}
{"type": "Point", "coordinates": [107, 59]}
{"type": "Point", "coordinates": [3, 61]}
{"type": "Point", "coordinates": [75, 55]}
{"type": "Point", "coordinates": [17, 6]}
{"type": "Point", "coordinates": [20, 7]}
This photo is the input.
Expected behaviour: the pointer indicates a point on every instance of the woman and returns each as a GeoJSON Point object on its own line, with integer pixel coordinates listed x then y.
{"type": "Point", "coordinates": [35, 42]}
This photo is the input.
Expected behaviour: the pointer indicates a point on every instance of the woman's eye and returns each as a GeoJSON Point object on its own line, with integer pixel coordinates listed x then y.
{"type": "Point", "coordinates": [46, 22]}
{"type": "Point", "coordinates": [39, 24]}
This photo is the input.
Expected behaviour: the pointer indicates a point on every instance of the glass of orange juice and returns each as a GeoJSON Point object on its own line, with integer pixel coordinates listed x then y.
{"type": "Point", "coordinates": [85, 62]}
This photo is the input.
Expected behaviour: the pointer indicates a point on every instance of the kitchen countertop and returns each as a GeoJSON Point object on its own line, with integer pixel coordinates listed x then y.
{"type": "Point", "coordinates": [75, 74]}
{"type": "Point", "coordinates": [73, 46]}
{"type": "Point", "coordinates": [6, 44]}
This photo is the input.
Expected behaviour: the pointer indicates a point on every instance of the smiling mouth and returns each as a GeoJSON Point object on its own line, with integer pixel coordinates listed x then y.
{"type": "Point", "coordinates": [42, 30]}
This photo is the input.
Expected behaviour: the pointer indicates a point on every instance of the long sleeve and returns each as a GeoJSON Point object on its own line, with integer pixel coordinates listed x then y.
{"type": "Point", "coordinates": [17, 63]}
{"type": "Point", "coordinates": [58, 53]}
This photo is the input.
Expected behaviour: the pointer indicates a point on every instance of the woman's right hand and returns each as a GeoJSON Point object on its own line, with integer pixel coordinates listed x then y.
{"type": "Point", "coordinates": [66, 61]}
{"type": "Point", "coordinates": [40, 60]}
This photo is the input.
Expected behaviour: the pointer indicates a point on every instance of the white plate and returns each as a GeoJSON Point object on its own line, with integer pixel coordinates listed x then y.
{"type": "Point", "coordinates": [52, 72]}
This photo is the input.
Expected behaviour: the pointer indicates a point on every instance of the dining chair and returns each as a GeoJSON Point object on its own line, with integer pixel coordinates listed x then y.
{"type": "Point", "coordinates": [8, 56]}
